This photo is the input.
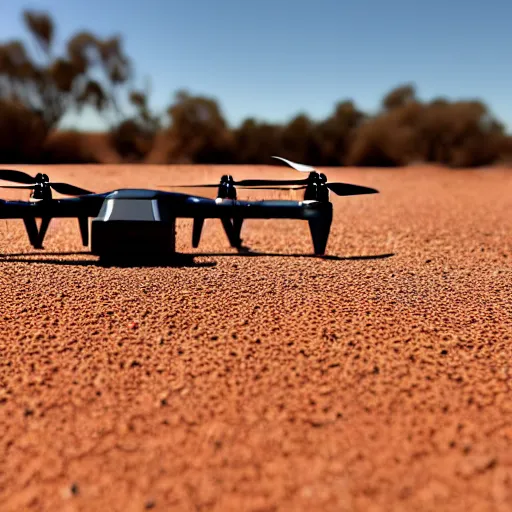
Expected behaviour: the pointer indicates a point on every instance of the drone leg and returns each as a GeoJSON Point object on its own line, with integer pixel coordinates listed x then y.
{"type": "Point", "coordinates": [320, 228]}
{"type": "Point", "coordinates": [237, 227]}
{"type": "Point", "coordinates": [196, 231]}
{"type": "Point", "coordinates": [45, 222]}
{"type": "Point", "coordinates": [83, 223]}
{"type": "Point", "coordinates": [33, 235]}
{"type": "Point", "coordinates": [230, 232]}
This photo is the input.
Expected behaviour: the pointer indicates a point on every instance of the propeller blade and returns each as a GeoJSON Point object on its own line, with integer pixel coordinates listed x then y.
{"type": "Point", "coordinates": [209, 185]}
{"type": "Point", "coordinates": [274, 188]}
{"type": "Point", "coordinates": [16, 176]}
{"type": "Point", "coordinates": [346, 189]}
{"type": "Point", "coordinates": [296, 166]}
{"type": "Point", "coordinates": [263, 183]}
{"type": "Point", "coordinates": [26, 187]}
{"type": "Point", "coordinates": [69, 190]}
{"type": "Point", "coordinates": [230, 232]}
{"type": "Point", "coordinates": [245, 183]}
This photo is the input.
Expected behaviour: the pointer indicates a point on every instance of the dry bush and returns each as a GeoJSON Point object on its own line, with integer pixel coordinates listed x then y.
{"type": "Point", "coordinates": [298, 142]}
{"type": "Point", "coordinates": [198, 131]}
{"type": "Point", "coordinates": [335, 135]}
{"type": "Point", "coordinates": [22, 133]}
{"type": "Point", "coordinates": [388, 140]}
{"type": "Point", "coordinates": [254, 142]}
{"type": "Point", "coordinates": [90, 71]}
{"type": "Point", "coordinates": [132, 142]}
{"type": "Point", "coordinates": [66, 147]}
{"type": "Point", "coordinates": [134, 138]}
{"type": "Point", "coordinates": [399, 97]}
{"type": "Point", "coordinates": [504, 149]}
{"type": "Point", "coordinates": [35, 95]}
{"type": "Point", "coordinates": [301, 140]}
{"type": "Point", "coordinates": [455, 134]}
{"type": "Point", "coordinates": [55, 84]}
{"type": "Point", "coordinates": [162, 146]}
{"type": "Point", "coordinates": [73, 147]}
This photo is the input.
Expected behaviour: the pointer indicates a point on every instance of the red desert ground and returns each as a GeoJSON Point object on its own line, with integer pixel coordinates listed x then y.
{"type": "Point", "coordinates": [376, 380]}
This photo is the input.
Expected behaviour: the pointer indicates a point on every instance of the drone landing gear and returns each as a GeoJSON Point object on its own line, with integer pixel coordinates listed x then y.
{"type": "Point", "coordinates": [31, 228]}
{"type": "Point", "coordinates": [37, 242]}
{"type": "Point", "coordinates": [83, 224]}
{"type": "Point", "coordinates": [232, 228]}
{"type": "Point", "coordinates": [196, 232]}
{"type": "Point", "coordinates": [43, 228]}
{"type": "Point", "coordinates": [320, 227]}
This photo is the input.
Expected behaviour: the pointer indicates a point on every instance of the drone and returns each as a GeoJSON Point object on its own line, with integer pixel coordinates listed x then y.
{"type": "Point", "coordinates": [137, 222]}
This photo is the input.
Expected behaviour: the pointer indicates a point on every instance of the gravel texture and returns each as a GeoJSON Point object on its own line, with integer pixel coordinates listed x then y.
{"type": "Point", "coordinates": [375, 379]}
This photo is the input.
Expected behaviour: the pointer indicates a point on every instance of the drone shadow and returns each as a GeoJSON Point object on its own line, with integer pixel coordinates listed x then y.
{"type": "Point", "coordinates": [176, 261]}
{"type": "Point", "coordinates": [179, 260]}
{"type": "Point", "coordinates": [44, 253]}
{"type": "Point", "coordinates": [252, 254]}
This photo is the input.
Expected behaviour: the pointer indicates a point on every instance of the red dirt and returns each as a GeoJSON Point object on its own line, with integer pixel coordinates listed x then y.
{"type": "Point", "coordinates": [273, 382]}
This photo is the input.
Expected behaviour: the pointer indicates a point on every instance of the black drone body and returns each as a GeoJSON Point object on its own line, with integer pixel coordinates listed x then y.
{"type": "Point", "coordinates": [131, 222]}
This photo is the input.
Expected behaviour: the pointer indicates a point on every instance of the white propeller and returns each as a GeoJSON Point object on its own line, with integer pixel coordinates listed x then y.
{"type": "Point", "coordinates": [296, 166]}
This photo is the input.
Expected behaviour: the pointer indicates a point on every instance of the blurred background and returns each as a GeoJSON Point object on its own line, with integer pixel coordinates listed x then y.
{"type": "Point", "coordinates": [327, 83]}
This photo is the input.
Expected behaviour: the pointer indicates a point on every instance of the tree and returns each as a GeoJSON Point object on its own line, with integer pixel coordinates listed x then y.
{"type": "Point", "coordinates": [255, 142]}
{"type": "Point", "coordinates": [198, 131]}
{"type": "Point", "coordinates": [399, 97]}
{"type": "Point", "coordinates": [298, 142]}
{"type": "Point", "coordinates": [52, 85]}
{"type": "Point", "coordinates": [134, 137]}
{"type": "Point", "coordinates": [335, 135]}
{"type": "Point", "coordinates": [460, 134]}
{"type": "Point", "coordinates": [22, 133]}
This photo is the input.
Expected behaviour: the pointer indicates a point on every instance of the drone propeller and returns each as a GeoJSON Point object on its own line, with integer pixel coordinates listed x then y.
{"type": "Point", "coordinates": [340, 189]}
{"type": "Point", "coordinates": [244, 183]}
{"type": "Point", "coordinates": [17, 176]}
{"type": "Point", "coordinates": [69, 190]}
{"type": "Point", "coordinates": [274, 188]}
{"type": "Point", "coordinates": [61, 188]}
{"type": "Point", "coordinates": [26, 187]}
{"type": "Point", "coordinates": [33, 182]}
{"type": "Point", "coordinates": [40, 185]}
{"type": "Point", "coordinates": [296, 166]}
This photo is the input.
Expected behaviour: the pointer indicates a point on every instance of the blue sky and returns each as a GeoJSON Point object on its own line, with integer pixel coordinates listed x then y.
{"type": "Point", "coordinates": [271, 59]}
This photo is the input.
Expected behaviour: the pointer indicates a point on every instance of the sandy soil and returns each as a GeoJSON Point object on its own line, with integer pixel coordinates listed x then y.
{"type": "Point", "coordinates": [375, 380]}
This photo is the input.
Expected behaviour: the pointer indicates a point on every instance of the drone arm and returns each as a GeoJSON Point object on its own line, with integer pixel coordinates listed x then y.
{"type": "Point", "coordinates": [278, 209]}
{"type": "Point", "coordinates": [87, 206]}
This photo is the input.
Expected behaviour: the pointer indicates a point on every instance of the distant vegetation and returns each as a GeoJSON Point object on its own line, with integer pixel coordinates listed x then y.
{"type": "Point", "coordinates": [38, 88]}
